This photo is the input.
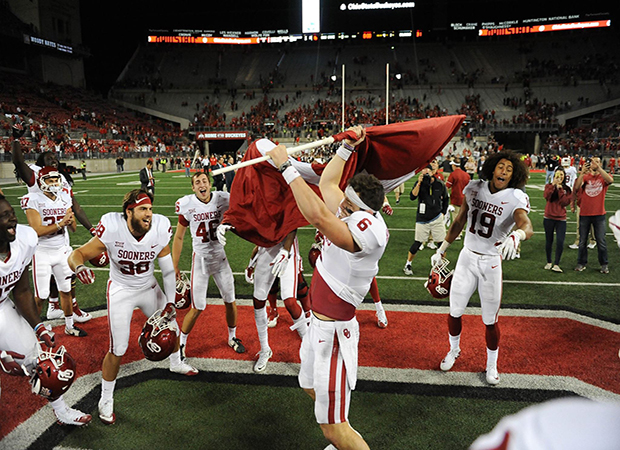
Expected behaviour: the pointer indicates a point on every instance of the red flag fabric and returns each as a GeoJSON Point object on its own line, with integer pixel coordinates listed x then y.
{"type": "Point", "coordinates": [262, 206]}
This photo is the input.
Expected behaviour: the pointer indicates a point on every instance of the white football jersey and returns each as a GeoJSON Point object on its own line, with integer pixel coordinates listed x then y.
{"type": "Point", "coordinates": [571, 176]}
{"type": "Point", "coordinates": [203, 220]}
{"type": "Point", "coordinates": [51, 212]}
{"type": "Point", "coordinates": [491, 216]}
{"type": "Point", "coordinates": [22, 249]}
{"type": "Point", "coordinates": [66, 187]}
{"type": "Point", "coordinates": [349, 274]}
{"type": "Point", "coordinates": [132, 260]}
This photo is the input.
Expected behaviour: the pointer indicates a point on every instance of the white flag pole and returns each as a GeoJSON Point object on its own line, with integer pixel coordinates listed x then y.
{"type": "Point", "coordinates": [387, 93]}
{"type": "Point", "coordinates": [342, 128]}
{"type": "Point", "coordinates": [290, 151]}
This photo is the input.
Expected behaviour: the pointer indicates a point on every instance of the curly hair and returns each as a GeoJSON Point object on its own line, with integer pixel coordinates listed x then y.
{"type": "Point", "coordinates": [369, 188]}
{"type": "Point", "coordinates": [131, 196]}
{"type": "Point", "coordinates": [520, 173]}
{"type": "Point", "coordinates": [42, 156]}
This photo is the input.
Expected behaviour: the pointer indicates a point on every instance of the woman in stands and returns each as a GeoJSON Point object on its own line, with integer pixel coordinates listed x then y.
{"type": "Point", "coordinates": [558, 196]}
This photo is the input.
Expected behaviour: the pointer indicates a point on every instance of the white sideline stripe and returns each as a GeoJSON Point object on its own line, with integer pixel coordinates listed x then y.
{"type": "Point", "coordinates": [26, 433]}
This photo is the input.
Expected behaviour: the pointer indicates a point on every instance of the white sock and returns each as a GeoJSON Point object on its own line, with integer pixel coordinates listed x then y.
{"type": "Point", "coordinates": [379, 306]}
{"type": "Point", "coordinates": [69, 321]}
{"type": "Point", "coordinates": [58, 404]}
{"type": "Point", "coordinates": [74, 302]}
{"type": "Point", "coordinates": [455, 342]}
{"type": "Point", "coordinates": [260, 316]}
{"type": "Point", "coordinates": [492, 357]}
{"type": "Point", "coordinates": [54, 302]}
{"type": "Point", "coordinates": [184, 338]}
{"type": "Point", "coordinates": [408, 264]}
{"type": "Point", "coordinates": [232, 332]}
{"type": "Point", "coordinates": [175, 358]}
{"type": "Point", "coordinates": [107, 389]}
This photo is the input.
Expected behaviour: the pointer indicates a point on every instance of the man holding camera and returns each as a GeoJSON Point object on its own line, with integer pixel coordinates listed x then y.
{"type": "Point", "coordinates": [591, 186]}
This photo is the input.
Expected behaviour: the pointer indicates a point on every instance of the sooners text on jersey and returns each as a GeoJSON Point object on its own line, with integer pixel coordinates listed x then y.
{"type": "Point", "coordinates": [22, 249]}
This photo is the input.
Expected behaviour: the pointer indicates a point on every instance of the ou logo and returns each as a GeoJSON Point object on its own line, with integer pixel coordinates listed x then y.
{"type": "Point", "coordinates": [152, 346]}
{"type": "Point", "coordinates": [66, 375]}
{"type": "Point", "coordinates": [442, 290]}
{"type": "Point", "coordinates": [346, 333]}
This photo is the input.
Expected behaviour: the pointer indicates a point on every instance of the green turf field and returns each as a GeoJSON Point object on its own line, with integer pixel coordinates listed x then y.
{"type": "Point", "coordinates": [526, 283]}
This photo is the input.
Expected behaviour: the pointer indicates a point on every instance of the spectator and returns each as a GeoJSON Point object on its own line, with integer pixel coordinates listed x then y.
{"type": "Point", "coordinates": [470, 167]}
{"type": "Point", "coordinates": [558, 196]}
{"type": "Point", "coordinates": [146, 177]}
{"type": "Point", "coordinates": [163, 161]}
{"type": "Point", "coordinates": [119, 165]}
{"type": "Point", "coordinates": [83, 169]}
{"type": "Point", "coordinates": [188, 166]}
{"type": "Point", "coordinates": [550, 167]}
{"type": "Point", "coordinates": [218, 180]}
{"type": "Point", "coordinates": [229, 176]}
{"type": "Point", "coordinates": [592, 185]}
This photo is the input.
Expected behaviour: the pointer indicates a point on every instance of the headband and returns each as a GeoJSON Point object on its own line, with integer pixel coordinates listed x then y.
{"type": "Point", "coordinates": [355, 199]}
{"type": "Point", "coordinates": [142, 199]}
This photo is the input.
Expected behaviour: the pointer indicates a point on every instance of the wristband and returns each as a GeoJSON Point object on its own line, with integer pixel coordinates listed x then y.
{"type": "Point", "coordinates": [444, 246]}
{"type": "Point", "coordinates": [348, 147]}
{"type": "Point", "coordinates": [58, 226]}
{"type": "Point", "coordinates": [344, 152]}
{"type": "Point", "coordinates": [39, 325]}
{"type": "Point", "coordinates": [290, 173]}
{"type": "Point", "coordinates": [77, 269]}
{"type": "Point", "coordinates": [285, 165]}
{"type": "Point", "coordinates": [519, 232]}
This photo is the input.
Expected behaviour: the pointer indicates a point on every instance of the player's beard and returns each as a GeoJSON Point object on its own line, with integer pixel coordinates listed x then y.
{"type": "Point", "coordinates": [139, 227]}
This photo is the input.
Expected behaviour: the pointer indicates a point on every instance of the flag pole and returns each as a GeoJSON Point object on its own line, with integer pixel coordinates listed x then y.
{"type": "Point", "coordinates": [387, 93]}
{"type": "Point", "coordinates": [289, 151]}
{"type": "Point", "coordinates": [342, 128]}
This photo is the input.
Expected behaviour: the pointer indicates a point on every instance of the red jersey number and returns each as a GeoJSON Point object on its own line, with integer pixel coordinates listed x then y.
{"type": "Point", "coordinates": [364, 224]}
{"type": "Point", "coordinates": [131, 268]}
{"type": "Point", "coordinates": [207, 235]}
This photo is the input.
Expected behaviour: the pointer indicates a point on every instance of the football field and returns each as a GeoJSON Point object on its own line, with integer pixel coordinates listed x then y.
{"type": "Point", "coordinates": [402, 400]}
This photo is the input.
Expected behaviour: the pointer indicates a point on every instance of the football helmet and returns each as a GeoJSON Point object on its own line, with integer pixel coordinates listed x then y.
{"type": "Point", "coordinates": [158, 337]}
{"type": "Point", "coordinates": [439, 280]}
{"type": "Point", "coordinates": [314, 254]}
{"type": "Point", "coordinates": [43, 179]}
{"type": "Point", "coordinates": [101, 260]}
{"type": "Point", "coordinates": [183, 297]}
{"type": "Point", "coordinates": [53, 373]}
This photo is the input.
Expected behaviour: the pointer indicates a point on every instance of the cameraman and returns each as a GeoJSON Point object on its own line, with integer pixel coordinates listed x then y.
{"type": "Point", "coordinates": [433, 203]}
{"type": "Point", "coordinates": [591, 186]}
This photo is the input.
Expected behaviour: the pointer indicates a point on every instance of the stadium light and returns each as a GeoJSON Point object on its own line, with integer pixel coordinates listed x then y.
{"type": "Point", "coordinates": [398, 76]}
{"type": "Point", "coordinates": [334, 77]}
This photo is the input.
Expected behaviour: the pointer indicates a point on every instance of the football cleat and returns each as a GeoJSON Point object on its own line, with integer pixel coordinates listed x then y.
{"type": "Point", "coordinates": [80, 316]}
{"type": "Point", "coordinates": [449, 360]}
{"type": "Point", "coordinates": [106, 411]}
{"type": "Point", "coordinates": [182, 350]}
{"type": "Point", "coordinates": [439, 280]}
{"type": "Point", "coordinates": [69, 416]}
{"type": "Point", "coordinates": [382, 321]}
{"type": "Point", "coordinates": [272, 319]}
{"type": "Point", "coordinates": [236, 345]}
{"type": "Point", "coordinates": [184, 369]}
{"type": "Point", "coordinates": [53, 312]}
{"type": "Point", "coordinates": [261, 362]}
{"type": "Point", "coordinates": [492, 376]}
{"type": "Point", "coordinates": [75, 331]}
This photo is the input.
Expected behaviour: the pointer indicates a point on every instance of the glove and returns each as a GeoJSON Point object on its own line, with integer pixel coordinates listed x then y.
{"type": "Point", "coordinates": [387, 209]}
{"type": "Point", "coordinates": [221, 232]}
{"type": "Point", "coordinates": [84, 274]}
{"type": "Point", "coordinates": [169, 311]}
{"type": "Point", "coordinates": [249, 270]}
{"type": "Point", "coordinates": [279, 263]}
{"type": "Point", "coordinates": [436, 258]}
{"type": "Point", "coordinates": [508, 248]}
{"type": "Point", "coordinates": [9, 365]}
{"type": "Point", "coordinates": [18, 129]}
{"type": "Point", "coordinates": [45, 334]}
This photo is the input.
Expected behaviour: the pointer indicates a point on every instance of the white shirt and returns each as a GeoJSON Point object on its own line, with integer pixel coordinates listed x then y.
{"type": "Point", "coordinates": [51, 212]}
{"type": "Point", "coordinates": [22, 249]}
{"type": "Point", "coordinates": [203, 220]}
{"type": "Point", "coordinates": [349, 274]}
{"type": "Point", "coordinates": [491, 216]}
{"type": "Point", "coordinates": [571, 176]}
{"type": "Point", "coordinates": [132, 260]}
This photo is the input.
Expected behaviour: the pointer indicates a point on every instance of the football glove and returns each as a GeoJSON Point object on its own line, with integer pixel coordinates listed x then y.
{"type": "Point", "coordinates": [279, 263]}
{"type": "Point", "coordinates": [221, 232]}
{"type": "Point", "coordinates": [436, 258]}
{"type": "Point", "coordinates": [45, 335]}
{"type": "Point", "coordinates": [249, 270]}
{"type": "Point", "coordinates": [18, 129]}
{"type": "Point", "coordinates": [509, 248]}
{"type": "Point", "coordinates": [84, 274]}
{"type": "Point", "coordinates": [9, 365]}
{"type": "Point", "coordinates": [387, 209]}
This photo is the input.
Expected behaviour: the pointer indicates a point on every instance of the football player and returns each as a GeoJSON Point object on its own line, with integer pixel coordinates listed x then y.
{"type": "Point", "coordinates": [28, 173]}
{"type": "Point", "coordinates": [202, 212]}
{"type": "Point", "coordinates": [491, 208]}
{"type": "Point", "coordinates": [355, 238]}
{"type": "Point", "coordinates": [21, 329]}
{"type": "Point", "coordinates": [49, 213]}
{"type": "Point", "coordinates": [134, 239]}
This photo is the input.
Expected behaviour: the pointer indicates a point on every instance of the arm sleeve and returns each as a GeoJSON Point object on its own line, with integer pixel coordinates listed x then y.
{"type": "Point", "coordinates": [167, 274]}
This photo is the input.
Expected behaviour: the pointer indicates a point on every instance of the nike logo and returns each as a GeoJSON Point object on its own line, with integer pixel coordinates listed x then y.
{"type": "Point", "coordinates": [143, 198]}
{"type": "Point", "coordinates": [153, 246]}
{"type": "Point", "coordinates": [503, 203]}
{"type": "Point", "coordinates": [321, 341]}
{"type": "Point", "coordinates": [493, 267]}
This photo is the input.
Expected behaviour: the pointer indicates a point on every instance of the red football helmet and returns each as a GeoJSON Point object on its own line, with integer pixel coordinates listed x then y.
{"type": "Point", "coordinates": [53, 374]}
{"type": "Point", "coordinates": [158, 337]}
{"type": "Point", "coordinates": [183, 297]}
{"type": "Point", "coordinates": [100, 260]}
{"type": "Point", "coordinates": [439, 280]}
{"type": "Point", "coordinates": [314, 254]}
{"type": "Point", "coordinates": [44, 175]}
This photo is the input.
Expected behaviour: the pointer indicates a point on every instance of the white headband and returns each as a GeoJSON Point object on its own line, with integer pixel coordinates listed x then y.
{"type": "Point", "coordinates": [355, 199]}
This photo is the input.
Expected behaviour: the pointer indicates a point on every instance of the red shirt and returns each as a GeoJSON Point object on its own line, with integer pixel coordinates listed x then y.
{"type": "Point", "coordinates": [592, 194]}
{"type": "Point", "coordinates": [456, 183]}
{"type": "Point", "coordinates": [557, 200]}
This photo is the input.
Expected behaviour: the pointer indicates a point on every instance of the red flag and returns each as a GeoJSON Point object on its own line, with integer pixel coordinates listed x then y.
{"type": "Point", "coordinates": [262, 206]}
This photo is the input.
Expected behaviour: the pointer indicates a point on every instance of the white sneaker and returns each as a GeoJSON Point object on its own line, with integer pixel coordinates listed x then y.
{"type": "Point", "coordinates": [548, 266]}
{"type": "Point", "coordinates": [236, 345]}
{"type": "Point", "coordinates": [53, 312]}
{"type": "Point", "coordinates": [382, 321]}
{"type": "Point", "coordinates": [449, 360]}
{"type": "Point", "coordinates": [492, 376]}
{"type": "Point", "coordinates": [69, 416]}
{"type": "Point", "coordinates": [421, 247]}
{"type": "Point", "coordinates": [574, 246]}
{"type": "Point", "coordinates": [261, 362]}
{"type": "Point", "coordinates": [184, 369]}
{"type": "Point", "coordinates": [407, 270]}
{"type": "Point", "coordinates": [106, 411]}
{"type": "Point", "coordinates": [82, 317]}
{"type": "Point", "coordinates": [432, 245]}
{"type": "Point", "coordinates": [592, 245]}
{"type": "Point", "coordinates": [75, 331]}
